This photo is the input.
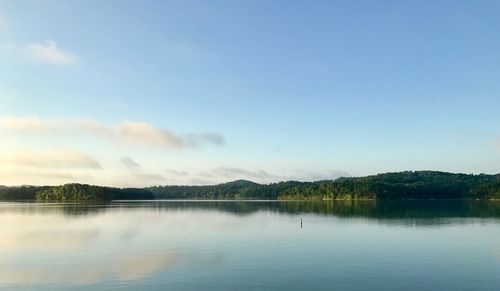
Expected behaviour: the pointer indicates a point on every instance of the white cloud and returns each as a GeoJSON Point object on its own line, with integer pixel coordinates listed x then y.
{"type": "Point", "coordinates": [127, 132]}
{"type": "Point", "coordinates": [12, 174]}
{"type": "Point", "coordinates": [147, 134]}
{"type": "Point", "coordinates": [64, 166]}
{"type": "Point", "coordinates": [26, 124]}
{"type": "Point", "coordinates": [50, 53]}
{"type": "Point", "coordinates": [47, 52]}
{"type": "Point", "coordinates": [55, 159]}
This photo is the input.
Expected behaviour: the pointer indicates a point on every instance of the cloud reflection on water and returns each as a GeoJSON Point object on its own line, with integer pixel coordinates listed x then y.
{"type": "Point", "coordinates": [45, 247]}
{"type": "Point", "coordinates": [123, 242]}
{"type": "Point", "coordinates": [121, 268]}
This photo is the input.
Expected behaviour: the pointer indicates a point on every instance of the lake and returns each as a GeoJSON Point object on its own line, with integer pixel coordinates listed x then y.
{"type": "Point", "coordinates": [251, 245]}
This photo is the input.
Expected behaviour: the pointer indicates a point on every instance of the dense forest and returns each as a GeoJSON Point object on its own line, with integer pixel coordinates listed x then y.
{"type": "Point", "coordinates": [73, 192]}
{"type": "Point", "coordinates": [82, 192]}
{"type": "Point", "coordinates": [401, 185]}
{"type": "Point", "coordinates": [20, 192]}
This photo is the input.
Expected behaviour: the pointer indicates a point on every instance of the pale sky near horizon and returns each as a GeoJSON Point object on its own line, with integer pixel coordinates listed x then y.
{"type": "Point", "coordinates": [137, 93]}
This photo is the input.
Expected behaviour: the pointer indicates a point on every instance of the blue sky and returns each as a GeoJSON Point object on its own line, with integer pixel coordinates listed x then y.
{"type": "Point", "coordinates": [132, 93]}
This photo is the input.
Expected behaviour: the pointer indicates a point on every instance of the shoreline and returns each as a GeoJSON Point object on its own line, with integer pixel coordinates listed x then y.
{"type": "Point", "coordinates": [243, 200]}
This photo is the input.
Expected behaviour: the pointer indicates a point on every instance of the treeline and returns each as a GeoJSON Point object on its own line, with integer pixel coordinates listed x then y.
{"type": "Point", "coordinates": [73, 192]}
{"type": "Point", "coordinates": [83, 192]}
{"type": "Point", "coordinates": [239, 189]}
{"type": "Point", "coordinates": [400, 185]}
{"type": "Point", "coordinates": [20, 192]}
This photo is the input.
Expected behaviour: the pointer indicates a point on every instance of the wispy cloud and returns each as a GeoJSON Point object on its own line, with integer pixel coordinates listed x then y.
{"type": "Point", "coordinates": [33, 124]}
{"type": "Point", "coordinates": [129, 163]}
{"type": "Point", "coordinates": [225, 174]}
{"type": "Point", "coordinates": [137, 176]}
{"type": "Point", "coordinates": [231, 172]}
{"type": "Point", "coordinates": [266, 177]}
{"type": "Point", "coordinates": [147, 134]}
{"type": "Point", "coordinates": [128, 132]}
{"type": "Point", "coordinates": [55, 159]}
{"type": "Point", "coordinates": [143, 179]}
{"type": "Point", "coordinates": [196, 139]}
{"type": "Point", "coordinates": [176, 173]}
{"type": "Point", "coordinates": [18, 174]}
{"type": "Point", "coordinates": [304, 175]}
{"type": "Point", "coordinates": [49, 52]}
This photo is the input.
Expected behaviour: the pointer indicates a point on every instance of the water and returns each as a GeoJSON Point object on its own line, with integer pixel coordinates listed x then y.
{"type": "Point", "coordinates": [254, 245]}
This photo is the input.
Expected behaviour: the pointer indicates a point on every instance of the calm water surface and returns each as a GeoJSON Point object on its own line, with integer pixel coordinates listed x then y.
{"type": "Point", "coordinates": [235, 245]}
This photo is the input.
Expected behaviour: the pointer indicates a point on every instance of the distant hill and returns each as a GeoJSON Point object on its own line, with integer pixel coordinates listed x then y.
{"type": "Point", "coordinates": [239, 189]}
{"type": "Point", "coordinates": [399, 185]}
